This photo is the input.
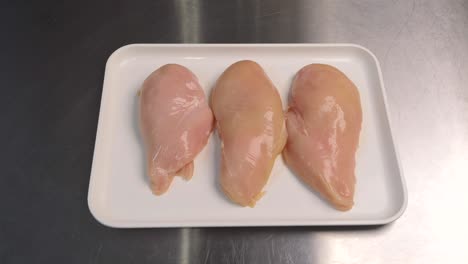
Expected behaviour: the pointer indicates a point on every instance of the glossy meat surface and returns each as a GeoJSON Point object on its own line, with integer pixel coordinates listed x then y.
{"type": "Point", "coordinates": [323, 124]}
{"type": "Point", "coordinates": [250, 123]}
{"type": "Point", "coordinates": [175, 123]}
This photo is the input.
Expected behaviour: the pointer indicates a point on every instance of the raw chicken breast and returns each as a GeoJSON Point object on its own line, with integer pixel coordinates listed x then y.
{"type": "Point", "coordinates": [323, 124]}
{"type": "Point", "coordinates": [175, 123]}
{"type": "Point", "coordinates": [250, 122]}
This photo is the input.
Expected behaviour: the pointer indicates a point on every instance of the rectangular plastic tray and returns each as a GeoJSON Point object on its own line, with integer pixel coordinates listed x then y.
{"type": "Point", "coordinates": [119, 195]}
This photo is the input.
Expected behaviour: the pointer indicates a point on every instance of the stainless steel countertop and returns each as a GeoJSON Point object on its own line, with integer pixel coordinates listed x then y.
{"type": "Point", "coordinates": [423, 50]}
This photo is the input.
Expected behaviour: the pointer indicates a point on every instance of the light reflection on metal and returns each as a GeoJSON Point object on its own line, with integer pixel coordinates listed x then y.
{"type": "Point", "coordinates": [184, 253]}
{"type": "Point", "coordinates": [189, 15]}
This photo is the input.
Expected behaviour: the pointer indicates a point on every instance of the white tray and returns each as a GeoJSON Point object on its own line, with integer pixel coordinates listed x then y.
{"type": "Point", "coordinates": [119, 195]}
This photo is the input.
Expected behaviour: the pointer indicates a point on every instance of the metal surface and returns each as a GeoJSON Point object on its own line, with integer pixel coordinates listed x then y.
{"type": "Point", "coordinates": [53, 56]}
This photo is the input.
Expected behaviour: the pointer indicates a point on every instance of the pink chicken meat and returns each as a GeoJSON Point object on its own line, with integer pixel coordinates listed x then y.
{"type": "Point", "coordinates": [250, 123]}
{"type": "Point", "coordinates": [323, 124]}
{"type": "Point", "coordinates": [175, 123]}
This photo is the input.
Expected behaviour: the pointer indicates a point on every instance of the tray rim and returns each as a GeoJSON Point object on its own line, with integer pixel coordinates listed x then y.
{"type": "Point", "coordinates": [104, 220]}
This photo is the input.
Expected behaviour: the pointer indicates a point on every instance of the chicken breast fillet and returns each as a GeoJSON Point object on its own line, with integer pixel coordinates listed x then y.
{"type": "Point", "coordinates": [175, 123]}
{"type": "Point", "coordinates": [323, 124]}
{"type": "Point", "coordinates": [250, 122]}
